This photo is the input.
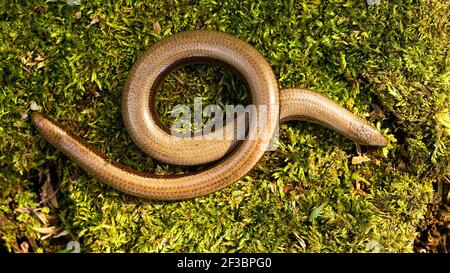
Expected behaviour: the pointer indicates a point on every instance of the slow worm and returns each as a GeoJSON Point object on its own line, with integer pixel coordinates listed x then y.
{"type": "Point", "coordinates": [232, 161]}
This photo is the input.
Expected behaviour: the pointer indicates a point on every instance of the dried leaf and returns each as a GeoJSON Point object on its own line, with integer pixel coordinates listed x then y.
{"type": "Point", "coordinates": [63, 233]}
{"type": "Point", "coordinates": [94, 21]}
{"type": "Point", "coordinates": [300, 240]}
{"type": "Point", "coordinates": [39, 58]}
{"type": "Point", "coordinates": [77, 15]}
{"type": "Point", "coordinates": [23, 210]}
{"type": "Point", "coordinates": [36, 212]}
{"type": "Point", "coordinates": [41, 217]}
{"type": "Point", "coordinates": [157, 27]}
{"type": "Point", "coordinates": [48, 231]}
{"type": "Point", "coordinates": [273, 187]}
{"type": "Point", "coordinates": [34, 106]}
{"type": "Point", "coordinates": [24, 247]}
{"type": "Point", "coordinates": [48, 193]}
{"type": "Point", "coordinates": [447, 178]}
{"type": "Point", "coordinates": [377, 110]}
{"type": "Point", "coordinates": [359, 159]}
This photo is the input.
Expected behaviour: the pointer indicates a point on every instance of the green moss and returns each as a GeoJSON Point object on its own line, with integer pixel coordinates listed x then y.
{"type": "Point", "coordinates": [306, 196]}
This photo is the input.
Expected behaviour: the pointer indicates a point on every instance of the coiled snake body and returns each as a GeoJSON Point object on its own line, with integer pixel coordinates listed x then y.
{"type": "Point", "coordinates": [141, 123]}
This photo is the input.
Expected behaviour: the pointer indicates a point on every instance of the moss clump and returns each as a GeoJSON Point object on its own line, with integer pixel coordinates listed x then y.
{"type": "Point", "coordinates": [72, 61]}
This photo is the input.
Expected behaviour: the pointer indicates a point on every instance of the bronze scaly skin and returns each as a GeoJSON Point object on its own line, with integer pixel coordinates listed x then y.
{"type": "Point", "coordinates": [142, 124]}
